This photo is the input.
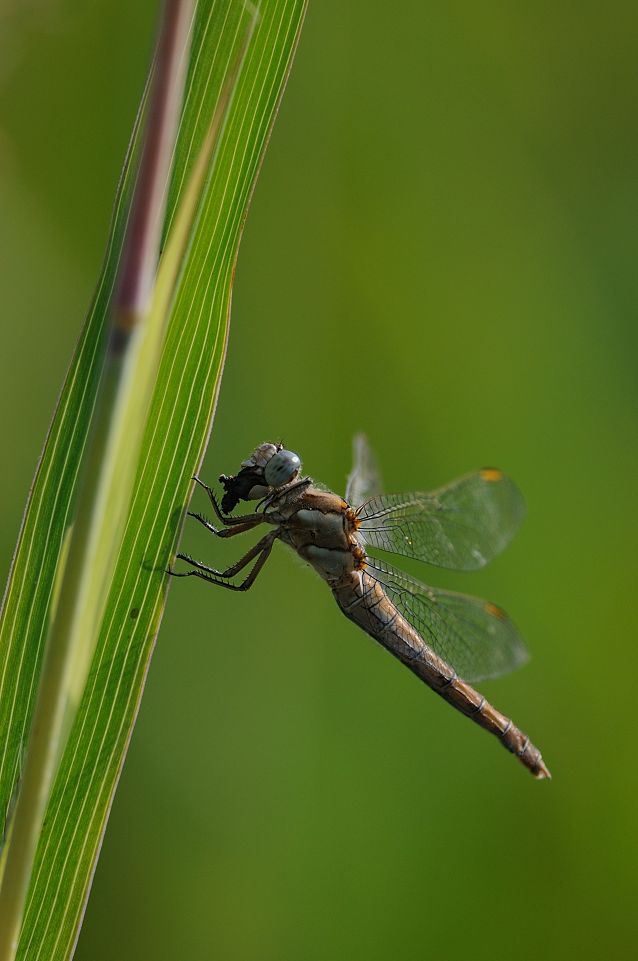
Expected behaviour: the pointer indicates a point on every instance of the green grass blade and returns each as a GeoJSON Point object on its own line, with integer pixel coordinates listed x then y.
{"type": "Point", "coordinates": [107, 472]}
{"type": "Point", "coordinates": [34, 575]}
{"type": "Point", "coordinates": [175, 436]}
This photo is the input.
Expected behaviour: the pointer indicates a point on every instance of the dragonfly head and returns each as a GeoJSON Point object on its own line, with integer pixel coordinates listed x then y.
{"type": "Point", "coordinates": [269, 466]}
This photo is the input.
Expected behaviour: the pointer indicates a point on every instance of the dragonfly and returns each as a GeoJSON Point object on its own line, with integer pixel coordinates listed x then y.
{"type": "Point", "coordinates": [446, 638]}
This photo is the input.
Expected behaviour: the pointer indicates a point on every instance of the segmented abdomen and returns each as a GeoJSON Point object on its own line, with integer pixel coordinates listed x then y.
{"type": "Point", "coordinates": [362, 599]}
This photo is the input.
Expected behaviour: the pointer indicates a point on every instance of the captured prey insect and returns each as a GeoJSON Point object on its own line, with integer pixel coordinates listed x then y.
{"type": "Point", "coordinates": [435, 633]}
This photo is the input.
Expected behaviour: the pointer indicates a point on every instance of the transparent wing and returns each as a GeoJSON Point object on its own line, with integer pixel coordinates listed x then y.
{"type": "Point", "coordinates": [364, 480]}
{"type": "Point", "coordinates": [475, 637]}
{"type": "Point", "coordinates": [460, 526]}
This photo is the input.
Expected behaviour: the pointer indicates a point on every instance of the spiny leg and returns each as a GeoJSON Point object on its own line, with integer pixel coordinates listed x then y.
{"type": "Point", "coordinates": [226, 531]}
{"type": "Point", "coordinates": [263, 544]}
{"type": "Point", "coordinates": [249, 581]}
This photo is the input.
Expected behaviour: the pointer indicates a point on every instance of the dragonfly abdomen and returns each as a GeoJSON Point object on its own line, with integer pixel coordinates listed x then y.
{"type": "Point", "coordinates": [470, 702]}
{"type": "Point", "coordinates": [363, 600]}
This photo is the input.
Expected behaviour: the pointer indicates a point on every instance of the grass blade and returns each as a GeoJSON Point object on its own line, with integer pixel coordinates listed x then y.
{"type": "Point", "coordinates": [174, 439]}
{"type": "Point", "coordinates": [109, 464]}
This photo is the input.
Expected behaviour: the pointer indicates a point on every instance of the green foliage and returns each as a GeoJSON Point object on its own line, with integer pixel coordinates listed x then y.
{"type": "Point", "coordinates": [175, 437]}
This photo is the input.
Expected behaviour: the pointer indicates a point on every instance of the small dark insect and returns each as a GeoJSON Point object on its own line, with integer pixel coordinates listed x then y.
{"type": "Point", "coordinates": [239, 486]}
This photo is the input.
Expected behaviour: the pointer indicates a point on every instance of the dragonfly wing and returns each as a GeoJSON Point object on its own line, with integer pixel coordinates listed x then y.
{"type": "Point", "coordinates": [364, 480]}
{"type": "Point", "coordinates": [475, 637]}
{"type": "Point", "coordinates": [460, 526]}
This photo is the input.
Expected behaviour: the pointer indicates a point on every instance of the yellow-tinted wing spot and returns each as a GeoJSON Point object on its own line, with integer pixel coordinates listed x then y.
{"type": "Point", "coordinates": [495, 611]}
{"type": "Point", "coordinates": [491, 474]}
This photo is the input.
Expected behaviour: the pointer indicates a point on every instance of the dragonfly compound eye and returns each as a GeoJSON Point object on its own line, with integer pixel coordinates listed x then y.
{"type": "Point", "coordinates": [282, 468]}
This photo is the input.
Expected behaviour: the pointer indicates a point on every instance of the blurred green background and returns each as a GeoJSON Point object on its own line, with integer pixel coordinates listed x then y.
{"type": "Point", "coordinates": [440, 251]}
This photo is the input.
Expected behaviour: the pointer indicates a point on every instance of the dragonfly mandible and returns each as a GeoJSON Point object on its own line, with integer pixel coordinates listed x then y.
{"type": "Point", "coordinates": [445, 638]}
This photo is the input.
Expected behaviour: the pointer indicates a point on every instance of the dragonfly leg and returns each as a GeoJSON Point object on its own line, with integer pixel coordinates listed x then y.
{"type": "Point", "coordinates": [224, 518]}
{"type": "Point", "coordinates": [260, 546]}
{"type": "Point", "coordinates": [261, 550]}
{"type": "Point", "coordinates": [225, 531]}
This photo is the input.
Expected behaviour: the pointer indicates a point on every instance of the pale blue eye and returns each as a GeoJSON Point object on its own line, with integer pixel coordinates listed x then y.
{"type": "Point", "coordinates": [282, 468]}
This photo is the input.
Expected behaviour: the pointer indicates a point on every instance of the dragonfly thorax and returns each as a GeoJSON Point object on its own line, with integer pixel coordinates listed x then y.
{"type": "Point", "coordinates": [316, 525]}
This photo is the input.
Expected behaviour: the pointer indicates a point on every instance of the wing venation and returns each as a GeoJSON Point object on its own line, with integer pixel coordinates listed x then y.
{"type": "Point", "coordinates": [474, 636]}
{"type": "Point", "coordinates": [461, 526]}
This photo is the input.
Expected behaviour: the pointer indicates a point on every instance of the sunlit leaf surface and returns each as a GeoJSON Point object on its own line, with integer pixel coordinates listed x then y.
{"type": "Point", "coordinates": [175, 437]}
